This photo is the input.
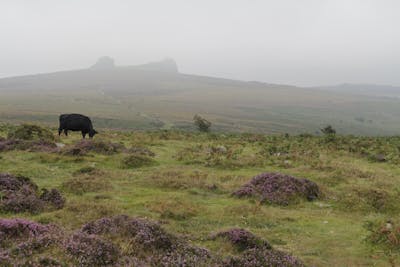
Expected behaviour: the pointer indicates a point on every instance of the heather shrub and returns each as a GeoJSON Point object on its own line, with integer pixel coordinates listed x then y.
{"type": "Point", "coordinates": [21, 228]}
{"type": "Point", "coordinates": [242, 239]}
{"type": "Point", "coordinates": [97, 146]}
{"type": "Point", "coordinates": [31, 132]}
{"type": "Point", "coordinates": [263, 257]}
{"type": "Point", "coordinates": [148, 241]}
{"type": "Point", "coordinates": [53, 197]}
{"type": "Point", "coordinates": [23, 200]}
{"type": "Point", "coordinates": [9, 182]}
{"type": "Point", "coordinates": [20, 239]}
{"type": "Point", "coordinates": [90, 250]}
{"type": "Point", "coordinates": [20, 194]}
{"type": "Point", "coordinates": [28, 145]}
{"type": "Point", "coordinates": [253, 251]}
{"type": "Point", "coordinates": [137, 161]}
{"type": "Point", "coordinates": [278, 189]}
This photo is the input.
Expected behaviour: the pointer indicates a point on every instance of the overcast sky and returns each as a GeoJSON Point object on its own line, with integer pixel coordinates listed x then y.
{"type": "Point", "coordinates": [307, 42]}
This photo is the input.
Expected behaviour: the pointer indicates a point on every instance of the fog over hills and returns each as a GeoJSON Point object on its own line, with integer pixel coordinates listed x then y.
{"type": "Point", "coordinates": [365, 89]}
{"type": "Point", "coordinates": [157, 95]}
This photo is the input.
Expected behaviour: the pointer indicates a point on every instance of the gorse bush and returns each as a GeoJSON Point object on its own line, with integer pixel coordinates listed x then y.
{"type": "Point", "coordinates": [384, 234]}
{"type": "Point", "coordinates": [201, 123]}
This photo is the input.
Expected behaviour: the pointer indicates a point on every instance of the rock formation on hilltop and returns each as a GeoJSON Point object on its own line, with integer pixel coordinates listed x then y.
{"type": "Point", "coordinates": [166, 65]}
{"type": "Point", "coordinates": [104, 63]}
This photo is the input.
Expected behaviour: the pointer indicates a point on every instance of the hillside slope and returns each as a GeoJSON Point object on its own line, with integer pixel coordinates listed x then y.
{"type": "Point", "coordinates": [156, 95]}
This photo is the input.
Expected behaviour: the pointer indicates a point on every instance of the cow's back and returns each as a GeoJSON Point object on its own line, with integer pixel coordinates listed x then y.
{"type": "Point", "coordinates": [75, 122]}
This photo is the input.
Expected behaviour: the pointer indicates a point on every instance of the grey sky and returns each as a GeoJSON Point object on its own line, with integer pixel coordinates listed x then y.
{"type": "Point", "coordinates": [307, 42]}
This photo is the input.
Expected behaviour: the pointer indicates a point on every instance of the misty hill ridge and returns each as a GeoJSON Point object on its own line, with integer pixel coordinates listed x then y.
{"type": "Point", "coordinates": [156, 95]}
{"type": "Point", "coordinates": [166, 65]}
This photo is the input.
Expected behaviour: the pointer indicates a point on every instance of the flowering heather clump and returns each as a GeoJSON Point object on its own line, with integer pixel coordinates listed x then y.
{"type": "Point", "coordinates": [20, 194]}
{"type": "Point", "coordinates": [98, 146]}
{"type": "Point", "coordinates": [243, 239]}
{"type": "Point", "coordinates": [16, 228]}
{"type": "Point", "coordinates": [29, 145]}
{"type": "Point", "coordinates": [144, 233]}
{"type": "Point", "coordinates": [254, 251]}
{"type": "Point", "coordinates": [279, 188]}
{"type": "Point", "coordinates": [23, 200]}
{"type": "Point", "coordinates": [90, 250]}
{"type": "Point", "coordinates": [263, 257]}
{"type": "Point", "coordinates": [20, 239]}
{"type": "Point", "coordinates": [9, 182]}
{"type": "Point", "coordinates": [148, 238]}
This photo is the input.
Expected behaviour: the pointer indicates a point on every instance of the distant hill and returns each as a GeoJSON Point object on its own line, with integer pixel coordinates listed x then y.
{"type": "Point", "coordinates": [365, 89]}
{"type": "Point", "coordinates": [156, 95]}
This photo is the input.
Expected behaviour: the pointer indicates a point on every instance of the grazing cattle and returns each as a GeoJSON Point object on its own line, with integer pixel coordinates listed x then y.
{"type": "Point", "coordinates": [76, 122]}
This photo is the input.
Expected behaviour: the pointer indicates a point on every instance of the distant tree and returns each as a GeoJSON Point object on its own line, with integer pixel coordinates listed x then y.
{"type": "Point", "coordinates": [328, 130]}
{"type": "Point", "coordinates": [202, 124]}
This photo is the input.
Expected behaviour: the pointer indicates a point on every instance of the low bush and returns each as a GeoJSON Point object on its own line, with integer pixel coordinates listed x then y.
{"type": "Point", "coordinates": [90, 250]}
{"type": "Point", "coordinates": [385, 234]}
{"type": "Point", "coordinates": [253, 251]}
{"type": "Point", "coordinates": [28, 145]}
{"type": "Point", "coordinates": [20, 239]}
{"type": "Point", "coordinates": [148, 241]}
{"type": "Point", "coordinates": [279, 189]}
{"type": "Point", "coordinates": [138, 150]}
{"type": "Point", "coordinates": [359, 199]}
{"type": "Point", "coordinates": [20, 194]}
{"type": "Point", "coordinates": [97, 146]}
{"type": "Point", "coordinates": [31, 132]}
{"type": "Point", "coordinates": [221, 156]}
{"type": "Point", "coordinates": [137, 161]}
{"type": "Point", "coordinates": [242, 239]}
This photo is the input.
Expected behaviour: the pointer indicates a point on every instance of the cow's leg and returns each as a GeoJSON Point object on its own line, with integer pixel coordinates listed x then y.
{"type": "Point", "coordinates": [59, 131]}
{"type": "Point", "coordinates": [66, 132]}
{"type": "Point", "coordinates": [83, 135]}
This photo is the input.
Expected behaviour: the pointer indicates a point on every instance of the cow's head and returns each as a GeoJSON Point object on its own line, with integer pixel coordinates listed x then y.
{"type": "Point", "coordinates": [92, 133]}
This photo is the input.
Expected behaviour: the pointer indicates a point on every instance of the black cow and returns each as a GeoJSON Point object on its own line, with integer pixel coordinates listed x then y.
{"type": "Point", "coordinates": [76, 122]}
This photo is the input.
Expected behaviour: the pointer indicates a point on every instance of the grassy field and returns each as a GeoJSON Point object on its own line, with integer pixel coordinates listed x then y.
{"type": "Point", "coordinates": [188, 189]}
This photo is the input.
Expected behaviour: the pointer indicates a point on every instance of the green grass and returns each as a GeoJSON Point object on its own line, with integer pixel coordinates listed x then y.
{"type": "Point", "coordinates": [193, 198]}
